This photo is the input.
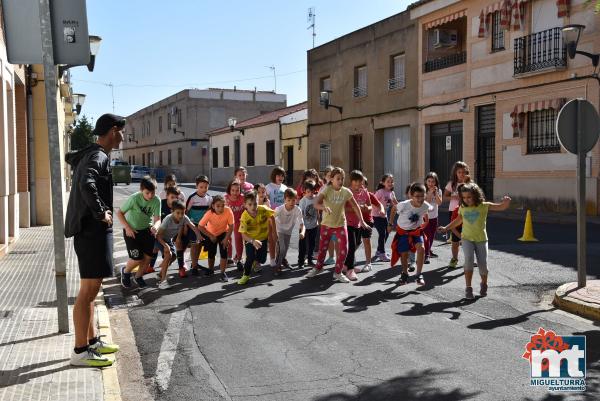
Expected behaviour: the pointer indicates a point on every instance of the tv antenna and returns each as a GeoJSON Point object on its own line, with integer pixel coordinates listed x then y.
{"type": "Point", "coordinates": [311, 20]}
{"type": "Point", "coordinates": [272, 68]}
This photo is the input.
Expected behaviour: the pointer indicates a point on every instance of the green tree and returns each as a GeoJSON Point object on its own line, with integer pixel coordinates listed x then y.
{"type": "Point", "coordinates": [82, 134]}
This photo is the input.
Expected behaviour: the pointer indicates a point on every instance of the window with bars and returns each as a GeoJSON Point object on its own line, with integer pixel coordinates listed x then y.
{"type": "Point", "coordinates": [324, 155]}
{"type": "Point", "coordinates": [270, 153]}
{"type": "Point", "coordinates": [397, 75]}
{"type": "Point", "coordinates": [497, 32]}
{"type": "Point", "coordinates": [360, 81]}
{"type": "Point", "coordinates": [250, 154]}
{"type": "Point", "coordinates": [169, 160]}
{"type": "Point", "coordinates": [541, 137]}
{"type": "Point", "coordinates": [179, 156]}
{"type": "Point", "coordinates": [225, 156]}
{"type": "Point", "coordinates": [215, 157]}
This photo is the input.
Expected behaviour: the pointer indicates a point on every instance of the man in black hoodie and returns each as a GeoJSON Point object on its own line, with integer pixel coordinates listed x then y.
{"type": "Point", "coordinates": [89, 221]}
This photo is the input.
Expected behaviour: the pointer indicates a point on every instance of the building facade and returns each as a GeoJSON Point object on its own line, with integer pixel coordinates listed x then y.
{"type": "Point", "coordinates": [294, 145]}
{"type": "Point", "coordinates": [172, 133]}
{"type": "Point", "coordinates": [372, 75]}
{"type": "Point", "coordinates": [492, 76]}
{"type": "Point", "coordinates": [256, 144]}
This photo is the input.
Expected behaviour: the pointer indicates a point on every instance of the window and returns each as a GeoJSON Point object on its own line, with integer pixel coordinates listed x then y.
{"type": "Point", "coordinates": [236, 152]}
{"type": "Point", "coordinates": [160, 159]}
{"type": "Point", "coordinates": [179, 156]}
{"type": "Point", "coordinates": [324, 155]}
{"type": "Point", "coordinates": [270, 153]}
{"type": "Point", "coordinates": [143, 159]}
{"type": "Point", "coordinates": [132, 133]}
{"type": "Point", "coordinates": [168, 120]}
{"type": "Point", "coordinates": [169, 160]}
{"type": "Point", "coordinates": [497, 32]}
{"type": "Point", "coordinates": [355, 152]}
{"type": "Point", "coordinates": [250, 154]}
{"type": "Point", "coordinates": [215, 157]}
{"type": "Point", "coordinates": [397, 75]}
{"type": "Point", "coordinates": [225, 156]}
{"type": "Point", "coordinates": [159, 123]}
{"type": "Point", "coordinates": [360, 81]}
{"type": "Point", "coordinates": [325, 84]}
{"type": "Point", "coordinates": [178, 117]}
{"type": "Point", "coordinates": [148, 128]}
{"type": "Point", "coordinates": [541, 137]}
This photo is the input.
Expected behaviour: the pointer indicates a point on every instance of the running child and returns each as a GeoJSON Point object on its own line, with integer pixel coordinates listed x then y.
{"type": "Point", "coordinates": [375, 204]}
{"type": "Point", "coordinates": [255, 225]}
{"type": "Point", "coordinates": [235, 201]}
{"type": "Point", "coordinates": [460, 175]}
{"type": "Point", "coordinates": [434, 198]}
{"type": "Point", "coordinates": [409, 231]}
{"type": "Point", "coordinates": [287, 216]}
{"type": "Point", "coordinates": [196, 206]}
{"type": "Point", "coordinates": [386, 196]}
{"type": "Point", "coordinates": [333, 243]}
{"type": "Point", "coordinates": [216, 227]}
{"type": "Point", "coordinates": [140, 217]}
{"type": "Point", "coordinates": [310, 216]}
{"type": "Point", "coordinates": [241, 174]}
{"type": "Point", "coordinates": [262, 198]}
{"type": "Point", "coordinates": [170, 182]}
{"type": "Point", "coordinates": [472, 214]}
{"type": "Point", "coordinates": [171, 229]}
{"type": "Point", "coordinates": [275, 190]}
{"type": "Point", "coordinates": [355, 232]}
{"type": "Point", "coordinates": [332, 201]}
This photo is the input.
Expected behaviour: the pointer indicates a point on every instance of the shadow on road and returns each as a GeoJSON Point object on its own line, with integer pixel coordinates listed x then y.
{"type": "Point", "coordinates": [419, 309]}
{"type": "Point", "coordinates": [416, 385]}
{"type": "Point", "coordinates": [509, 321]}
{"type": "Point", "coordinates": [26, 373]}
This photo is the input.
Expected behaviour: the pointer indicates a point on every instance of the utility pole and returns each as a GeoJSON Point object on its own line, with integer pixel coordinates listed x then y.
{"type": "Point", "coordinates": [272, 68]}
{"type": "Point", "coordinates": [311, 21]}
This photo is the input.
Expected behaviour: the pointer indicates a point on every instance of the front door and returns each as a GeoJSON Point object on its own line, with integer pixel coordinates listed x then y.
{"type": "Point", "coordinates": [289, 166]}
{"type": "Point", "coordinates": [396, 157]}
{"type": "Point", "coordinates": [485, 163]}
{"type": "Point", "coordinates": [445, 148]}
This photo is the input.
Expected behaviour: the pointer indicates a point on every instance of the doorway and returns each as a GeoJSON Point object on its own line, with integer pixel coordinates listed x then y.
{"type": "Point", "coordinates": [445, 148]}
{"type": "Point", "coordinates": [396, 157]}
{"type": "Point", "coordinates": [485, 162]}
{"type": "Point", "coordinates": [289, 165]}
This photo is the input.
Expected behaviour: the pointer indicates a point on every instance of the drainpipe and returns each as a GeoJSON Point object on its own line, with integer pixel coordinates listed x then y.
{"type": "Point", "coordinates": [31, 149]}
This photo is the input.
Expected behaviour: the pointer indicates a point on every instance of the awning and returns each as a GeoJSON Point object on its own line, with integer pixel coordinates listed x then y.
{"type": "Point", "coordinates": [518, 114]}
{"type": "Point", "coordinates": [563, 8]}
{"type": "Point", "coordinates": [446, 19]}
{"type": "Point", "coordinates": [485, 16]}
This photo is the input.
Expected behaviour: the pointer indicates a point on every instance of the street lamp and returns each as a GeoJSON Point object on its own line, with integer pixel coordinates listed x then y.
{"type": "Point", "coordinates": [571, 34]}
{"type": "Point", "coordinates": [324, 101]}
{"type": "Point", "coordinates": [78, 100]}
{"type": "Point", "coordinates": [94, 48]}
{"type": "Point", "coordinates": [232, 121]}
{"type": "Point", "coordinates": [174, 129]}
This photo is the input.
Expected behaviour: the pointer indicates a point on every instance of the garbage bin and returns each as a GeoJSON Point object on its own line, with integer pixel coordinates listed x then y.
{"type": "Point", "coordinates": [121, 175]}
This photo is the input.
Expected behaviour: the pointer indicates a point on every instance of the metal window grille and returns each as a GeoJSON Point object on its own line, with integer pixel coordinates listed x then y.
{"type": "Point", "coordinates": [250, 154]}
{"type": "Point", "coordinates": [445, 62]}
{"type": "Point", "coordinates": [225, 156]}
{"type": "Point", "coordinates": [360, 82]}
{"type": "Point", "coordinates": [270, 153]}
{"type": "Point", "coordinates": [541, 137]}
{"type": "Point", "coordinates": [497, 32]}
{"type": "Point", "coordinates": [215, 157]}
{"type": "Point", "coordinates": [324, 155]}
{"type": "Point", "coordinates": [397, 80]}
{"type": "Point", "coordinates": [539, 51]}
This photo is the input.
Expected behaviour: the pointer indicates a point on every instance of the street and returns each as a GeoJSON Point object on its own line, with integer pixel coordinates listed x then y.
{"type": "Point", "coordinates": [292, 338]}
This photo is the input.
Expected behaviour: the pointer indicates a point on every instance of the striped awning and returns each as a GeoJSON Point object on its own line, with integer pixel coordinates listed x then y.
{"type": "Point", "coordinates": [445, 19]}
{"type": "Point", "coordinates": [518, 113]}
{"type": "Point", "coordinates": [512, 13]}
{"type": "Point", "coordinates": [563, 8]}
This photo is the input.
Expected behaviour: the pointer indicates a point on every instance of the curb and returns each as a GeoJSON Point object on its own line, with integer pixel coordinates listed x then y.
{"type": "Point", "coordinates": [110, 378]}
{"type": "Point", "coordinates": [563, 301]}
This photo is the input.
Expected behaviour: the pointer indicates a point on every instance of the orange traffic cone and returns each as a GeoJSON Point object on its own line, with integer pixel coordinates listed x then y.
{"type": "Point", "coordinates": [528, 229]}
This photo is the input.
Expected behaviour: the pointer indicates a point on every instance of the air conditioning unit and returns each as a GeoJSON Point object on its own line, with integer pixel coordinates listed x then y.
{"type": "Point", "coordinates": [445, 38]}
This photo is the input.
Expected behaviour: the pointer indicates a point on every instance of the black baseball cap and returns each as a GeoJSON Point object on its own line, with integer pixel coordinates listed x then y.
{"type": "Point", "coordinates": [106, 122]}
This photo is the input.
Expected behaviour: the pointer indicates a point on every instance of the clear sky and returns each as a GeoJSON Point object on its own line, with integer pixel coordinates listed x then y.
{"type": "Point", "coordinates": [154, 48]}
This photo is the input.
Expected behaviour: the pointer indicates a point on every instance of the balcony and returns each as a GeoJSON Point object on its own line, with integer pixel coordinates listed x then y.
{"type": "Point", "coordinates": [445, 62]}
{"type": "Point", "coordinates": [359, 91]}
{"type": "Point", "coordinates": [396, 83]}
{"type": "Point", "coordinates": [540, 51]}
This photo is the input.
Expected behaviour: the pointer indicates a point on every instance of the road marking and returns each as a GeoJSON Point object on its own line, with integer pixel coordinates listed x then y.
{"type": "Point", "coordinates": [168, 349]}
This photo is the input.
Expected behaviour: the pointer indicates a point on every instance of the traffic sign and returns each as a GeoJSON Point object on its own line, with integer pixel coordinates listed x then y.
{"type": "Point", "coordinates": [568, 125]}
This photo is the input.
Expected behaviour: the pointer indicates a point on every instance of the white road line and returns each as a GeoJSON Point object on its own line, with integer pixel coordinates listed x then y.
{"type": "Point", "coordinates": [168, 350]}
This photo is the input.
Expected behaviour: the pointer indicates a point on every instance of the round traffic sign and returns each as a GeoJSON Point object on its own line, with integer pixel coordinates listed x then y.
{"type": "Point", "coordinates": [588, 123]}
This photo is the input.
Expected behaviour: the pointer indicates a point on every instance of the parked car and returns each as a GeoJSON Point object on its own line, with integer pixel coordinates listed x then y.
{"type": "Point", "coordinates": [139, 172]}
{"type": "Point", "coordinates": [117, 162]}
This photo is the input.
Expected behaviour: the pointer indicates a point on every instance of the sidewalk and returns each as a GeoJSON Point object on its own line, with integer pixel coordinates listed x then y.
{"type": "Point", "coordinates": [34, 358]}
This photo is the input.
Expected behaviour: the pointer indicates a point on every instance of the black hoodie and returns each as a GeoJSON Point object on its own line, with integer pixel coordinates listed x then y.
{"type": "Point", "coordinates": [91, 192]}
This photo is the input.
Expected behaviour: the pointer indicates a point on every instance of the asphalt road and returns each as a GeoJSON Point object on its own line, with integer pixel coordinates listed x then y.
{"type": "Point", "coordinates": [292, 338]}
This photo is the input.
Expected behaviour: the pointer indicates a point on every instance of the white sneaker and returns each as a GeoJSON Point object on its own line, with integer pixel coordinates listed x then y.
{"type": "Point", "coordinates": [313, 272]}
{"type": "Point", "coordinates": [365, 268]}
{"type": "Point", "coordinates": [340, 278]}
{"type": "Point", "coordinates": [90, 358]}
{"type": "Point", "coordinates": [164, 285]}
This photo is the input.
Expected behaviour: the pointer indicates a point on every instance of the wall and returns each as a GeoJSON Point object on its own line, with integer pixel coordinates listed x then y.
{"type": "Point", "coordinates": [294, 133]}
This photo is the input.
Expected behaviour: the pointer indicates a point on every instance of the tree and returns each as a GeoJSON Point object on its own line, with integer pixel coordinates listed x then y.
{"type": "Point", "coordinates": [82, 134]}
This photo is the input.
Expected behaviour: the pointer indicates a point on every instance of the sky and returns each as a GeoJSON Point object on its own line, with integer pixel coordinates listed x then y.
{"type": "Point", "coordinates": [152, 49]}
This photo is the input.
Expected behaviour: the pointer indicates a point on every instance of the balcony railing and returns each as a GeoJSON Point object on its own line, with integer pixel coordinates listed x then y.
{"type": "Point", "coordinates": [359, 92]}
{"type": "Point", "coordinates": [540, 51]}
{"type": "Point", "coordinates": [396, 83]}
{"type": "Point", "coordinates": [446, 61]}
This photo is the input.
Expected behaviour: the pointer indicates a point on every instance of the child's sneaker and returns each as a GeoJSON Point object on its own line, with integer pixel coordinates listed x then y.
{"type": "Point", "coordinates": [329, 261]}
{"type": "Point", "coordinates": [125, 278]}
{"type": "Point", "coordinates": [208, 272]}
{"type": "Point", "coordinates": [313, 272]}
{"type": "Point", "coordinates": [90, 358]}
{"type": "Point", "coordinates": [426, 261]}
{"type": "Point", "coordinates": [420, 280]}
{"type": "Point", "coordinates": [230, 262]}
{"type": "Point", "coordinates": [164, 285]}
{"type": "Point", "coordinates": [351, 274]}
{"type": "Point", "coordinates": [384, 257]}
{"type": "Point", "coordinates": [403, 278]}
{"type": "Point", "coordinates": [411, 268]}
{"type": "Point", "coordinates": [182, 272]}
{"type": "Point", "coordinates": [224, 277]}
{"type": "Point", "coordinates": [286, 264]}
{"type": "Point", "coordinates": [300, 265]}
{"type": "Point", "coordinates": [469, 293]}
{"type": "Point", "coordinates": [243, 280]}
{"type": "Point", "coordinates": [311, 263]}
{"type": "Point", "coordinates": [102, 347]}
{"type": "Point", "coordinates": [256, 267]}
{"type": "Point", "coordinates": [340, 277]}
{"type": "Point", "coordinates": [149, 270]}
{"type": "Point", "coordinates": [483, 290]}
{"type": "Point", "coordinates": [141, 282]}
{"type": "Point", "coordinates": [366, 268]}
{"type": "Point", "coordinates": [453, 263]}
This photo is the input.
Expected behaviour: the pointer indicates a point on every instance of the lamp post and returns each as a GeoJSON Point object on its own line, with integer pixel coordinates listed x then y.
{"type": "Point", "coordinates": [78, 100]}
{"type": "Point", "coordinates": [324, 101]}
{"type": "Point", "coordinates": [571, 35]}
{"type": "Point", "coordinates": [174, 129]}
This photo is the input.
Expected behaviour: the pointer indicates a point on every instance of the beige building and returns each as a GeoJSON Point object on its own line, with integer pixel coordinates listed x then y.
{"type": "Point", "coordinates": [171, 135]}
{"type": "Point", "coordinates": [372, 75]}
{"type": "Point", "coordinates": [491, 81]}
{"type": "Point", "coordinates": [294, 145]}
{"type": "Point", "coordinates": [256, 144]}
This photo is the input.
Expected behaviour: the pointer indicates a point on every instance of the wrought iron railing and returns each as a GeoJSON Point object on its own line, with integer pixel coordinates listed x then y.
{"type": "Point", "coordinates": [446, 61]}
{"type": "Point", "coordinates": [359, 92]}
{"type": "Point", "coordinates": [396, 83]}
{"type": "Point", "coordinates": [539, 51]}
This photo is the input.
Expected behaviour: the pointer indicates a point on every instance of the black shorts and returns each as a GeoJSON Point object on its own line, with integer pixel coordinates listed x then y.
{"type": "Point", "coordinates": [366, 234]}
{"type": "Point", "coordinates": [94, 249]}
{"type": "Point", "coordinates": [211, 247]}
{"type": "Point", "coordinates": [189, 238]}
{"type": "Point", "coordinates": [142, 244]}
